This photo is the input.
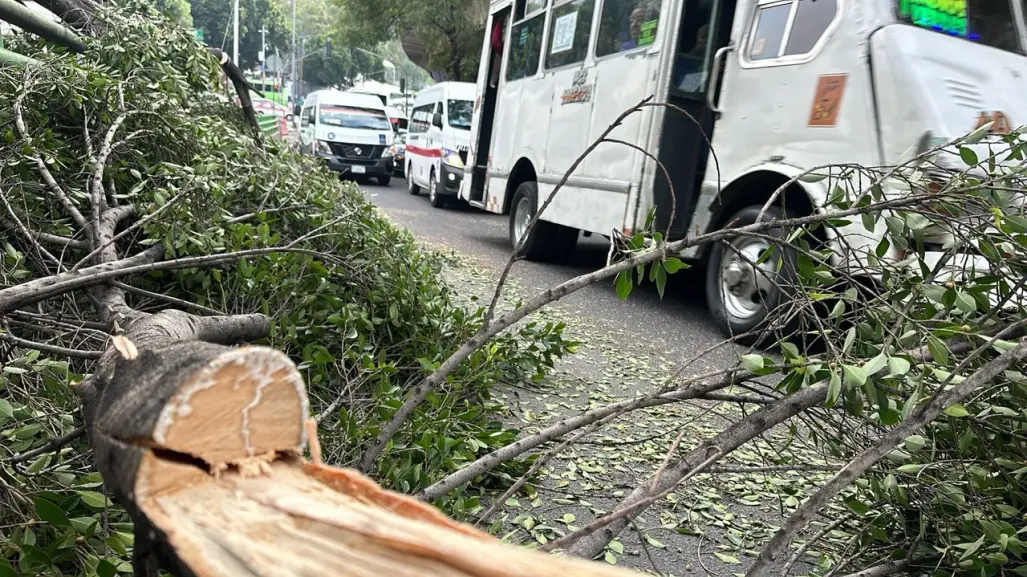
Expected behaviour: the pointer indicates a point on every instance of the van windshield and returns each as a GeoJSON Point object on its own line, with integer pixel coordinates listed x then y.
{"type": "Point", "coordinates": [988, 22]}
{"type": "Point", "coordinates": [350, 117]}
{"type": "Point", "coordinates": [460, 112]}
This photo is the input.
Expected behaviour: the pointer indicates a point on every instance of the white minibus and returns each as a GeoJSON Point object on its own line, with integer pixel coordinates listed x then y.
{"type": "Point", "coordinates": [775, 88]}
{"type": "Point", "coordinates": [437, 140]}
{"type": "Point", "coordinates": [351, 132]}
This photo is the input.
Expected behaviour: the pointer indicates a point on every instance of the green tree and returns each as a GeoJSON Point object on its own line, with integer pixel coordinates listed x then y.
{"type": "Point", "coordinates": [450, 29]}
{"type": "Point", "coordinates": [215, 18]}
{"type": "Point", "coordinates": [177, 11]}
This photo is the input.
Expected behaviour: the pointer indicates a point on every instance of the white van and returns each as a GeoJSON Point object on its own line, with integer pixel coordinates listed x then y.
{"type": "Point", "coordinates": [437, 139]}
{"type": "Point", "coordinates": [351, 132]}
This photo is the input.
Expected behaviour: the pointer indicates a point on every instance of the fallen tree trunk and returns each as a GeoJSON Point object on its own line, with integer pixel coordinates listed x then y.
{"type": "Point", "coordinates": [203, 444]}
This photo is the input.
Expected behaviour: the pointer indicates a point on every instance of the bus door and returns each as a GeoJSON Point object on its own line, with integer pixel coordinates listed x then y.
{"type": "Point", "coordinates": [485, 106]}
{"type": "Point", "coordinates": [704, 33]}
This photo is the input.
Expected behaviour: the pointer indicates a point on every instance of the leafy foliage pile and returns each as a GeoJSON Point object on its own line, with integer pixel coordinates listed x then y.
{"type": "Point", "coordinates": [362, 310]}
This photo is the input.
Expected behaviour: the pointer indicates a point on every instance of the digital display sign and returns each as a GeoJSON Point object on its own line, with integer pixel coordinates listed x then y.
{"type": "Point", "coordinates": [947, 16]}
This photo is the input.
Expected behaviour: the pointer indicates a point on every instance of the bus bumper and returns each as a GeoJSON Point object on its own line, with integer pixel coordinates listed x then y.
{"type": "Point", "coordinates": [381, 167]}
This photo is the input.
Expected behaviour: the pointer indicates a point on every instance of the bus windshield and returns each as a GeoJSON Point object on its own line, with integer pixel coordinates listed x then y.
{"type": "Point", "coordinates": [349, 117]}
{"type": "Point", "coordinates": [988, 22]}
{"type": "Point", "coordinates": [460, 112]}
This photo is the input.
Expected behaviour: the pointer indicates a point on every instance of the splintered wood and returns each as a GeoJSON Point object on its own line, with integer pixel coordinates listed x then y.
{"type": "Point", "coordinates": [224, 481]}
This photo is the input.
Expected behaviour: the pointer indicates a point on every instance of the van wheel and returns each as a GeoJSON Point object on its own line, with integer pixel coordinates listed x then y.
{"type": "Point", "coordinates": [436, 199]}
{"type": "Point", "coordinates": [743, 298]}
{"type": "Point", "coordinates": [547, 240]}
{"type": "Point", "coordinates": [384, 180]}
{"type": "Point", "coordinates": [411, 187]}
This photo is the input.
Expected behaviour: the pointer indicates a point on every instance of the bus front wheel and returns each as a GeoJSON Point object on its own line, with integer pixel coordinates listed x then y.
{"type": "Point", "coordinates": [546, 241]}
{"type": "Point", "coordinates": [744, 294]}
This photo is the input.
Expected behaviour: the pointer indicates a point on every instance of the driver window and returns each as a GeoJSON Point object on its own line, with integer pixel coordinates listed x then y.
{"type": "Point", "coordinates": [307, 117]}
{"type": "Point", "coordinates": [694, 42]}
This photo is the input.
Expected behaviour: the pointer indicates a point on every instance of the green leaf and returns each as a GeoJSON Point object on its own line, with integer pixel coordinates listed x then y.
{"type": "Point", "coordinates": [897, 366]}
{"type": "Point", "coordinates": [6, 411]}
{"type": "Point", "coordinates": [874, 365]}
{"type": "Point", "coordinates": [912, 469]}
{"type": "Point", "coordinates": [915, 443]}
{"type": "Point", "coordinates": [812, 177]}
{"type": "Point", "coordinates": [752, 362]}
{"type": "Point", "coordinates": [617, 546]}
{"type": "Point", "coordinates": [956, 410]}
{"type": "Point", "coordinates": [968, 155]}
{"type": "Point", "coordinates": [965, 302]}
{"type": "Point", "coordinates": [106, 569]}
{"type": "Point", "coordinates": [661, 278]}
{"type": "Point", "coordinates": [610, 558]}
{"type": "Point", "coordinates": [854, 375]}
{"type": "Point", "coordinates": [50, 513]}
{"type": "Point", "coordinates": [834, 389]}
{"type": "Point", "coordinates": [938, 350]}
{"type": "Point", "coordinates": [970, 548]}
{"type": "Point", "coordinates": [934, 292]}
{"type": "Point", "coordinates": [623, 284]}
{"type": "Point", "coordinates": [673, 265]}
{"type": "Point", "coordinates": [93, 499]}
{"type": "Point", "coordinates": [655, 543]}
{"type": "Point", "coordinates": [838, 310]}
{"type": "Point", "coordinates": [729, 559]}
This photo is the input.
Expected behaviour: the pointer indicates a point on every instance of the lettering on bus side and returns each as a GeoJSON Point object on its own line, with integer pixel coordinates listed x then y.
{"type": "Point", "coordinates": [579, 90]}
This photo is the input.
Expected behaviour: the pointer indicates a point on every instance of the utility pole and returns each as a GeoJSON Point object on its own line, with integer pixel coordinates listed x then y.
{"type": "Point", "coordinates": [262, 56]}
{"type": "Point", "coordinates": [292, 72]}
{"type": "Point", "coordinates": [235, 36]}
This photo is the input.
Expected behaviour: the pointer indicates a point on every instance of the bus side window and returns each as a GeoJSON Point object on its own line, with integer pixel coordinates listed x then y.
{"type": "Point", "coordinates": [810, 22]}
{"type": "Point", "coordinates": [627, 24]}
{"type": "Point", "coordinates": [569, 32]}
{"type": "Point", "coordinates": [525, 47]}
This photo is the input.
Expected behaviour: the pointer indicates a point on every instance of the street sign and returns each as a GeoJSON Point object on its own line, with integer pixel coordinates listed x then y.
{"type": "Point", "coordinates": [260, 55]}
{"type": "Point", "coordinates": [199, 34]}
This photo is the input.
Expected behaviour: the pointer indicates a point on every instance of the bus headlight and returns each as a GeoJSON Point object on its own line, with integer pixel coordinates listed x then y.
{"type": "Point", "coordinates": [452, 158]}
{"type": "Point", "coordinates": [321, 147]}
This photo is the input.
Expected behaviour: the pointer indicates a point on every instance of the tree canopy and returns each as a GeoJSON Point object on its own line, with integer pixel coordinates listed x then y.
{"type": "Point", "coordinates": [214, 17]}
{"type": "Point", "coordinates": [452, 30]}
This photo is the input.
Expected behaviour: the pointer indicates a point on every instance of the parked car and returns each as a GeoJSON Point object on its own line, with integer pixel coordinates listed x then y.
{"type": "Point", "coordinates": [399, 153]}
{"type": "Point", "coordinates": [265, 106]}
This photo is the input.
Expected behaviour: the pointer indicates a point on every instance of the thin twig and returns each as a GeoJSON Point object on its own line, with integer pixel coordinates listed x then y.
{"type": "Point", "coordinates": [50, 446]}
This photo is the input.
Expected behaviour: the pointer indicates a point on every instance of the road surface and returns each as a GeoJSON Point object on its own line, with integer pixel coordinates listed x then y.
{"type": "Point", "coordinates": [680, 323]}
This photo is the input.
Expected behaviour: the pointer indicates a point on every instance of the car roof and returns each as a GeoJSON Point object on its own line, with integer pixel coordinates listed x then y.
{"type": "Point", "coordinates": [349, 99]}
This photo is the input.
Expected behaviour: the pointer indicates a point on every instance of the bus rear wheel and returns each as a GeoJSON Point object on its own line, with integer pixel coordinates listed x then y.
{"type": "Point", "coordinates": [546, 241]}
{"type": "Point", "coordinates": [743, 294]}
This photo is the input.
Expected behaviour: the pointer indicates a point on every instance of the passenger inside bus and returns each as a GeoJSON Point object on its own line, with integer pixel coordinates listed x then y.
{"type": "Point", "coordinates": [689, 69]}
{"type": "Point", "coordinates": [626, 25]}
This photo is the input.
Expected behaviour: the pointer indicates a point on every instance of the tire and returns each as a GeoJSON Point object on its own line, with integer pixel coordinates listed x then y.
{"type": "Point", "coordinates": [738, 300]}
{"type": "Point", "coordinates": [384, 180]}
{"type": "Point", "coordinates": [547, 241]}
{"type": "Point", "coordinates": [411, 187]}
{"type": "Point", "coordinates": [436, 199]}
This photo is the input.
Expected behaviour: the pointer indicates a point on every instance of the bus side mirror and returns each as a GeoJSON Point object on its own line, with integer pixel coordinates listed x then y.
{"type": "Point", "coordinates": [436, 120]}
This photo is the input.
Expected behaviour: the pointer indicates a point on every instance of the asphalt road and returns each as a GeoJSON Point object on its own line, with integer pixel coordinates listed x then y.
{"type": "Point", "coordinates": [679, 325]}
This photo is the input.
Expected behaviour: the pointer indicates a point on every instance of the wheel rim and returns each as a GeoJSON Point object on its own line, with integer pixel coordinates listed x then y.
{"type": "Point", "coordinates": [743, 289]}
{"type": "Point", "coordinates": [431, 188]}
{"type": "Point", "coordinates": [522, 216]}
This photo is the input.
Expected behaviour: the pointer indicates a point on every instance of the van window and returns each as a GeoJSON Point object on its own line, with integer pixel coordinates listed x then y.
{"type": "Point", "coordinates": [420, 119]}
{"type": "Point", "coordinates": [307, 116]}
{"type": "Point", "coordinates": [353, 117]}
{"type": "Point", "coordinates": [769, 31]}
{"type": "Point", "coordinates": [627, 24]}
{"type": "Point", "coordinates": [525, 48]}
{"type": "Point", "coordinates": [988, 22]}
{"type": "Point", "coordinates": [460, 112]}
{"type": "Point", "coordinates": [569, 33]}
